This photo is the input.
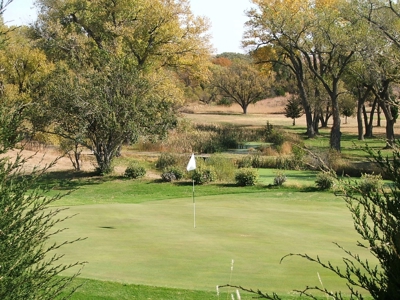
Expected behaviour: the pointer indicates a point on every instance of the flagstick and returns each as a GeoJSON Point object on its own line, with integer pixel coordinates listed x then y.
{"type": "Point", "coordinates": [194, 208]}
{"type": "Point", "coordinates": [192, 166]}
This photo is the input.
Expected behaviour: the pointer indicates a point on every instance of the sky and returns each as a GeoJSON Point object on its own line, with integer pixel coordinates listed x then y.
{"type": "Point", "coordinates": [227, 19]}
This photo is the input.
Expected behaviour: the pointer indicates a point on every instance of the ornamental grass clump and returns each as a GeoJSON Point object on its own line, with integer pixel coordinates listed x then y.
{"type": "Point", "coordinates": [280, 178]}
{"type": "Point", "coordinates": [325, 180]}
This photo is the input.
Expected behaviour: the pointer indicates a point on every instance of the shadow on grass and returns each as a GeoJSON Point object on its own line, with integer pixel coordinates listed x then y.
{"type": "Point", "coordinates": [69, 180]}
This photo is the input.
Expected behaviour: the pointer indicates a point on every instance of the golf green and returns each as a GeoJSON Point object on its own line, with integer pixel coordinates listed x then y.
{"type": "Point", "coordinates": [155, 243]}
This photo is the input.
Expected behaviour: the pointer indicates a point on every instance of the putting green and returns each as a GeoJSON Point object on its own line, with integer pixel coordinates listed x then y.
{"type": "Point", "coordinates": [155, 243]}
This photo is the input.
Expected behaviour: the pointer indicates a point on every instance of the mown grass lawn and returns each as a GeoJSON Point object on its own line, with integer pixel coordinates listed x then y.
{"type": "Point", "coordinates": [143, 233]}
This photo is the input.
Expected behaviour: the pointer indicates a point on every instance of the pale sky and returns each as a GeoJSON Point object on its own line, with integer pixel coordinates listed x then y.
{"type": "Point", "coordinates": [227, 19]}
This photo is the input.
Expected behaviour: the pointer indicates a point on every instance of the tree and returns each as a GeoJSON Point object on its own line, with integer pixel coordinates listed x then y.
{"type": "Point", "coordinates": [153, 33]}
{"type": "Point", "coordinates": [283, 26]}
{"type": "Point", "coordinates": [347, 106]}
{"type": "Point", "coordinates": [102, 109]}
{"type": "Point", "coordinates": [242, 83]}
{"type": "Point", "coordinates": [293, 109]}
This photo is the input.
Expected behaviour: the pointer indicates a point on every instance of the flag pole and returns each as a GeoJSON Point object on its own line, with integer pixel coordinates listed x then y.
{"type": "Point", "coordinates": [194, 209]}
{"type": "Point", "coordinates": [192, 166]}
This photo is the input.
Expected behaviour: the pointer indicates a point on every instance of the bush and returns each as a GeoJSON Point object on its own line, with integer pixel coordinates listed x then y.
{"type": "Point", "coordinates": [246, 177]}
{"type": "Point", "coordinates": [325, 180]}
{"type": "Point", "coordinates": [168, 176]}
{"type": "Point", "coordinates": [134, 171]}
{"type": "Point", "coordinates": [224, 167]}
{"type": "Point", "coordinates": [166, 160]}
{"type": "Point", "coordinates": [370, 183]}
{"type": "Point", "coordinates": [280, 179]}
{"type": "Point", "coordinates": [245, 162]}
{"type": "Point", "coordinates": [203, 175]}
{"type": "Point", "coordinates": [172, 174]}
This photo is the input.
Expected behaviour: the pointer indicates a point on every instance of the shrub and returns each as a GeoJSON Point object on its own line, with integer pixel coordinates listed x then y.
{"type": "Point", "coordinates": [370, 183]}
{"type": "Point", "coordinates": [224, 167]}
{"type": "Point", "coordinates": [172, 174]}
{"type": "Point", "coordinates": [134, 171]}
{"type": "Point", "coordinates": [245, 162]}
{"type": "Point", "coordinates": [246, 177]}
{"type": "Point", "coordinates": [280, 178]}
{"type": "Point", "coordinates": [166, 160]}
{"type": "Point", "coordinates": [203, 175]}
{"type": "Point", "coordinates": [325, 180]}
{"type": "Point", "coordinates": [168, 176]}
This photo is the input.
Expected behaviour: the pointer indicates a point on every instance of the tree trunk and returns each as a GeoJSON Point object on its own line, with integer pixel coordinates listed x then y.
{"type": "Point", "coordinates": [336, 135]}
{"type": "Point", "coordinates": [360, 105]}
{"type": "Point", "coordinates": [304, 101]}
{"type": "Point", "coordinates": [389, 122]}
{"type": "Point", "coordinates": [378, 115]}
{"type": "Point", "coordinates": [369, 124]}
{"type": "Point", "coordinates": [361, 110]}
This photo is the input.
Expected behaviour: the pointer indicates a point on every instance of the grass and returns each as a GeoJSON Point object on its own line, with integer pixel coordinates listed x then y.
{"type": "Point", "coordinates": [142, 232]}
{"type": "Point", "coordinates": [105, 190]}
{"type": "Point", "coordinates": [107, 290]}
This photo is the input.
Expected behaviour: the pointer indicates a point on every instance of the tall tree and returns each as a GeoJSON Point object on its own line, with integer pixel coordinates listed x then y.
{"type": "Point", "coordinates": [283, 25]}
{"type": "Point", "coordinates": [242, 83]}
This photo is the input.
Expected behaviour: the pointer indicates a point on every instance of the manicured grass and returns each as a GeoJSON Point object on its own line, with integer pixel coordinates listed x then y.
{"type": "Point", "coordinates": [153, 243]}
{"type": "Point", "coordinates": [106, 290]}
{"type": "Point", "coordinates": [98, 190]}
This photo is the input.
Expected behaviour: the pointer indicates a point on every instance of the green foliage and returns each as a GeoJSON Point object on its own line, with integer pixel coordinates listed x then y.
{"type": "Point", "coordinates": [272, 135]}
{"type": "Point", "coordinates": [280, 178]}
{"type": "Point", "coordinates": [255, 160]}
{"type": "Point", "coordinates": [134, 171]}
{"type": "Point", "coordinates": [224, 101]}
{"type": "Point", "coordinates": [325, 180]}
{"type": "Point", "coordinates": [246, 177]}
{"type": "Point", "coordinates": [166, 160]}
{"type": "Point", "coordinates": [223, 166]}
{"type": "Point", "coordinates": [293, 109]}
{"type": "Point", "coordinates": [203, 174]}
{"type": "Point", "coordinates": [30, 265]}
{"type": "Point", "coordinates": [105, 107]}
{"type": "Point", "coordinates": [245, 162]}
{"type": "Point", "coordinates": [370, 183]}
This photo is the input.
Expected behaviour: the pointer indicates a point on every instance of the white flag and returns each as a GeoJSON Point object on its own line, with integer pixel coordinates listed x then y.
{"type": "Point", "coordinates": [191, 164]}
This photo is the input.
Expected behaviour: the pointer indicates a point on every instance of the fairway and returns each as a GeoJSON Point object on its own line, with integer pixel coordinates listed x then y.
{"type": "Point", "coordinates": [155, 243]}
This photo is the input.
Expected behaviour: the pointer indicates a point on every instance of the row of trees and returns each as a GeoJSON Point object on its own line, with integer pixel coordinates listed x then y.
{"type": "Point", "coordinates": [100, 73]}
{"type": "Point", "coordinates": [334, 50]}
